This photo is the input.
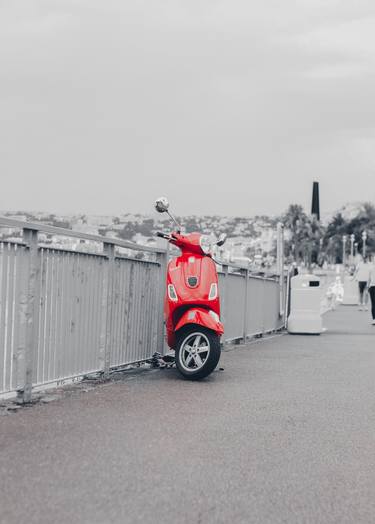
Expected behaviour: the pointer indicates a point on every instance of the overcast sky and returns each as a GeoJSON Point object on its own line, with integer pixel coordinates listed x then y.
{"type": "Point", "coordinates": [225, 106]}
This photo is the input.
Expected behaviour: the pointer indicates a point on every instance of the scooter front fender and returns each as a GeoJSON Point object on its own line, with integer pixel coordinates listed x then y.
{"type": "Point", "coordinates": [202, 317]}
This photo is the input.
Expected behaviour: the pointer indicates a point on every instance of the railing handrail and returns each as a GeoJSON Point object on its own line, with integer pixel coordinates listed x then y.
{"type": "Point", "coordinates": [252, 273]}
{"type": "Point", "coordinates": [53, 230]}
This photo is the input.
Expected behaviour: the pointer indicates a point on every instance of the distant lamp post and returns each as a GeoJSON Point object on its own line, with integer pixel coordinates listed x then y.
{"type": "Point", "coordinates": [352, 239]}
{"type": "Point", "coordinates": [292, 251]}
{"type": "Point", "coordinates": [296, 243]}
{"type": "Point", "coordinates": [280, 248]}
{"type": "Point", "coordinates": [320, 254]}
{"type": "Point", "coordinates": [344, 239]}
{"type": "Point", "coordinates": [364, 238]}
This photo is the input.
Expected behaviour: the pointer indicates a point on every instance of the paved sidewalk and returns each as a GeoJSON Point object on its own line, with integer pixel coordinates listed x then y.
{"type": "Point", "coordinates": [285, 434]}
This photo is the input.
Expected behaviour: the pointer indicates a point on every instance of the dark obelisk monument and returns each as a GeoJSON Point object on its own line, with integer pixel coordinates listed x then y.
{"type": "Point", "coordinates": [315, 205]}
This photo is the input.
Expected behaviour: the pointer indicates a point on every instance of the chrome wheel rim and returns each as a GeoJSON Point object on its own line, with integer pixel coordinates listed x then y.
{"type": "Point", "coordinates": [194, 352]}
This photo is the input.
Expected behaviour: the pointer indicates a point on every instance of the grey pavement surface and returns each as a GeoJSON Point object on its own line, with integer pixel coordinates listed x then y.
{"type": "Point", "coordinates": [285, 434]}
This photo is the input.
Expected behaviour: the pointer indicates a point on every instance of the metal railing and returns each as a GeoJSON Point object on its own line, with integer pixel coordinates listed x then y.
{"type": "Point", "coordinates": [250, 305]}
{"type": "Point", "coordinates": [66, 313]}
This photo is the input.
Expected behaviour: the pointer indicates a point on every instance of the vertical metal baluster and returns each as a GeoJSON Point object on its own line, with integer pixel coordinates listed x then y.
{"type": "Point", "coordinates": [245, 272]}
{"type": "Point", "coordinates": [224, 298]}
{"type": "Point", "coordinates": [109, 251]}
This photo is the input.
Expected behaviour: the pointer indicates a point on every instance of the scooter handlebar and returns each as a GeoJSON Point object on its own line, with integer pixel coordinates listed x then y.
{"type": "Point", "coordinates": [162, 235]}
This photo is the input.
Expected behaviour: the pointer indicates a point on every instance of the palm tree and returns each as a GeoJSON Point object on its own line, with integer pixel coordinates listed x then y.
{"type": "Point", "coordinates": [303, 235]}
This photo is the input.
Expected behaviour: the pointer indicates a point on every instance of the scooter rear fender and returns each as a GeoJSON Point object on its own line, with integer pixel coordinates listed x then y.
{"type": "Point", "coordinates": [202, 317]}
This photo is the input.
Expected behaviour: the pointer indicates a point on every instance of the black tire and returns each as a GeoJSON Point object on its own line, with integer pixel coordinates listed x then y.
{"type": "Point", "coordinates": [191, 368]}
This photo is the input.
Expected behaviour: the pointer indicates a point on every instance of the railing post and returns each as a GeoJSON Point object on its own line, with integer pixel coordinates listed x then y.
{"type": "Point", "coordinates": [29, 318]}
{"type": "Point", "coordinates": [264, 304]}
{"type": "Point", "coordinates": [223, 299]}
{"type": "Point", "coordinates": [162, 258]}
{"type": "Point", "coordinates": [280, 266]}
{"type": "Point", "coordinates": [109, 251]}
{"type": "Point", "coordinates": [245, 272]}
{"type": "Point", "coordinates": [287, 299]}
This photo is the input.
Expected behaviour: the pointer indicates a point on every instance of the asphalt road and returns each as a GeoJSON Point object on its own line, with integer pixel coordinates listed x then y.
{"type": "Point", "coordinates": [285, 434]}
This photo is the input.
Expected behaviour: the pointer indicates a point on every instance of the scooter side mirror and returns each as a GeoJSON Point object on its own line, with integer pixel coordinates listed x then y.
{"type": "Point", "coordinates": [162, 205]}
{"type": "Point", "coordinates": [222, 239]}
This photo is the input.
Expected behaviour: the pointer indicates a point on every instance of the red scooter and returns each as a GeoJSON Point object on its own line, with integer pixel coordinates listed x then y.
{"type": "Point", "coordinates": [192, 305]}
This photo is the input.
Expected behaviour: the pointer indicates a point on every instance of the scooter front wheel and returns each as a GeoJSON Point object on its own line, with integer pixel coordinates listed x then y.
{"type": "Point", "coordinates": [197, 352]}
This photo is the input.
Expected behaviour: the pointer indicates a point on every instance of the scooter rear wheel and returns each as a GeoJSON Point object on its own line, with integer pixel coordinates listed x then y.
{"type": "Point", "coordinates": [197, 351]}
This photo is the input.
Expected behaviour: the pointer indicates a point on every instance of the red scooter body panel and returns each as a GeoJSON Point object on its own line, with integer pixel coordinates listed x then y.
{"type": "Point", "coordinates": [202, 317]}
{"type": "Point", "coordinates": [194, 291]}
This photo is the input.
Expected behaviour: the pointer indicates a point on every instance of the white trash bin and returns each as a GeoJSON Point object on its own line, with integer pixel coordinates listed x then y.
{"type": "Point", "coordinates": [305, 302]}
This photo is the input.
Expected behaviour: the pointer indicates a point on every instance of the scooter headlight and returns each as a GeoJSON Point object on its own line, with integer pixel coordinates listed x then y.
{"type": "Point", "coordinates": [206, 244]}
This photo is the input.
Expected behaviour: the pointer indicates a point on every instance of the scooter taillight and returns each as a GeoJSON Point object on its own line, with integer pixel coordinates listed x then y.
{"type": "Point", "coordinates": [213, 292]}
{"type": "Point", "coordinates": [172, 295]}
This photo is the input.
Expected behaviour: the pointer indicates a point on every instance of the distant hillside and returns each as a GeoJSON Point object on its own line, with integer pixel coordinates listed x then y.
{"type": "Point", "coordinates": [129, 226]}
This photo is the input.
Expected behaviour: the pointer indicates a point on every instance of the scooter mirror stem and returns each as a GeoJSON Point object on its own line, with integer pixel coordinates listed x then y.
{"type": "Point", "coordinates": [175, 221]}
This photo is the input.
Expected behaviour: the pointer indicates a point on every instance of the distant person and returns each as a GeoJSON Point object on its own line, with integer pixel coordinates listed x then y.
{"type": "Point", "coordinates": [294, 270]}
{"type": "Point", "coordinates": [371, 288]}
{"type": "Point", "coordinates": [362, 274]}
